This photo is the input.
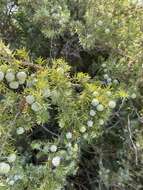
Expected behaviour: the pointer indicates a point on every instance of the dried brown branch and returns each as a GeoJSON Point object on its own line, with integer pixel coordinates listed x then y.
{"type": "Point", "coordinates": [23, 63]}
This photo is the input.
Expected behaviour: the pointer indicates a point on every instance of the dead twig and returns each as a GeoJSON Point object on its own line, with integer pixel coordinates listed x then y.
{"type": "Point", "coordinates": [23, 63]}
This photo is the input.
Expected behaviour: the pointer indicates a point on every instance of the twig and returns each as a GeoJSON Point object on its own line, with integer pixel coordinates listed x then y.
{"type": "Point", "coordinates": [132, 142]}
{"type": "Point", "coordinates": [23, 63]}
{"type": "Point", "coordinates": [31, 65]}
{"type": "Point", "coordinates": [50, 131]}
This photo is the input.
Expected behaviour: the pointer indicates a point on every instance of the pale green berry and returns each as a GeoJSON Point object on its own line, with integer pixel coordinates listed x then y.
{"type": "Point", "coordinates": [33, 75]}
{"type": "Point", "coordinates": [100, 107]}
{"type": "Point", "coordinates": [90, 123]}
{"type": "Point", "coordinates": [95, 93]}
{"type": "Point", "coordinates": [53, 148]}
{"type": "Point", "coordinates": [112, 104]}
{"type": "Point", "coordinates": [10, 76]}
{"type": "Point", "coordinates": [11, 182]}
{"type": "Point", "coordinates": [21, 76]}
{"type": "Point", "coordinates": [69, 145]}
{"type": "Point", "coordinates": [85, 136]}
{"type": "Point", "coordinates": [109, 93]}
{"type": "Point", "coordinates": [115, 81]}
{"type": "Point", "coordinates": [104, 65]}
{"type": "Point", "coordinates": [30, 99]}
{"type": "Point", "coordinates": [106, 76]}
{"type": "Point", "coordinates": [56, 161]}
{"type": "Point", "coordinates": [11, 158]}
{"type": "Point", "coordinates": [69, 135]}
{"type": "Point", "coordinates": [20, 130]}
{"type": "Point", "coordinates": [101, 122]}
{"type": "Point", "coordinates": [1, 75]}
{"type": "Point", "coordinates": [109, 80]}
{"type": "Point", "coordinates": [92, 113]}
{"type": "Point", "coordinates": [82, 129]}
{"type": "Point", "coordinates": [4, 168]}
{"type": "Point", "coordinates": [95, 102]}
{"type": "Point", "coordinates": [110, 14]}
{"type": "Point", "coordinates": [14, 85]}
{"type": "Point", "coordinates": [139, 3]}
{"type": "Point", "coordinates": [133, 96]}
{"type": "Point", "coordinates": [36, 106]}
{"type": "Point", "coordinates": [107, 30]}
{"type": "Point", "coordinates": [100, 22]}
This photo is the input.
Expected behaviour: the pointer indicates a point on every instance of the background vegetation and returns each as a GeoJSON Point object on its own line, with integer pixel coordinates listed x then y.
{"type": "Point", "coordinates": [71, 95]}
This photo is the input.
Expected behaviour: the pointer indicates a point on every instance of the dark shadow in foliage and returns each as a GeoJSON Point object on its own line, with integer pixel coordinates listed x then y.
{"type": "Point", "coordinates": [102, 150]}
{"type": "Point", "coordinates": [48, 132]}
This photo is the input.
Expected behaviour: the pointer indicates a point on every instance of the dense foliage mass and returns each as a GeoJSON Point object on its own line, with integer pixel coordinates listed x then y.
{"type": "Point", "coordinates": [71, 95]}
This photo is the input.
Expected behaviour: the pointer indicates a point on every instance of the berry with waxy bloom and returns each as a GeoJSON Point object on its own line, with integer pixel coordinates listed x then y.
{"type": "Point", "coordinates": [100, 22]}
{"type": "Point", "coordinates": [103, 65]}
{"type": "Point", "coordinates": [56, 161]}
{"type": "Point", "coordinates": [4, 168]}
{"type": "Point", "coordinates": [53, 148]}
{"type": "Point", "coordinates": [11, 158]}
{"type": "Point", "coordinates": [101, 122]}
{"type": "Point", "coordinates": [21, 76]}
{"type": "Point", "coordinates": [95, 93]}
{"type": "Point", "coordinates": [10, 76]}
{"type": "Point", "coordinates": [133, 96]}
{"type": "Point", "coordinates": [20, 130]}
{"type": "Point", "coordinates": [110, 14]}
{"type": "Point", "coordinates": [11, 182]}
{"type": "Point", "coordinates": [30, 99]}
{"type": "Point", "coordinates": [109, 93]}
{"type": "Point", "coordinates": [100, 107]}
{"type": "Point", "coordinates": [95, 102]}
{"type": "Point", "coordinates": [36, 106]}
{"type": "Point", "coordinates": [112, 104]}
{"type": "Point", "coordinates": [85, 136]}
{"type": "Point", "coordinates": [92, 113]}
{"type": "Point", "coordinates": [14, 85]}
{"type": "Point", "coordinates": [69, 135]}
{"type": "Point", "coordinates": [109, 80]}
{"type": "Point", "coordinates": [115, 81]}
{"type": "Point", "coordinates": [106, 76]}
{"type": "Point", "coordinates": [90, 123]}
{"type": "Point", "coordinates": [82, 129]}
{"type": "Point", "coordinates": [107, 30]}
